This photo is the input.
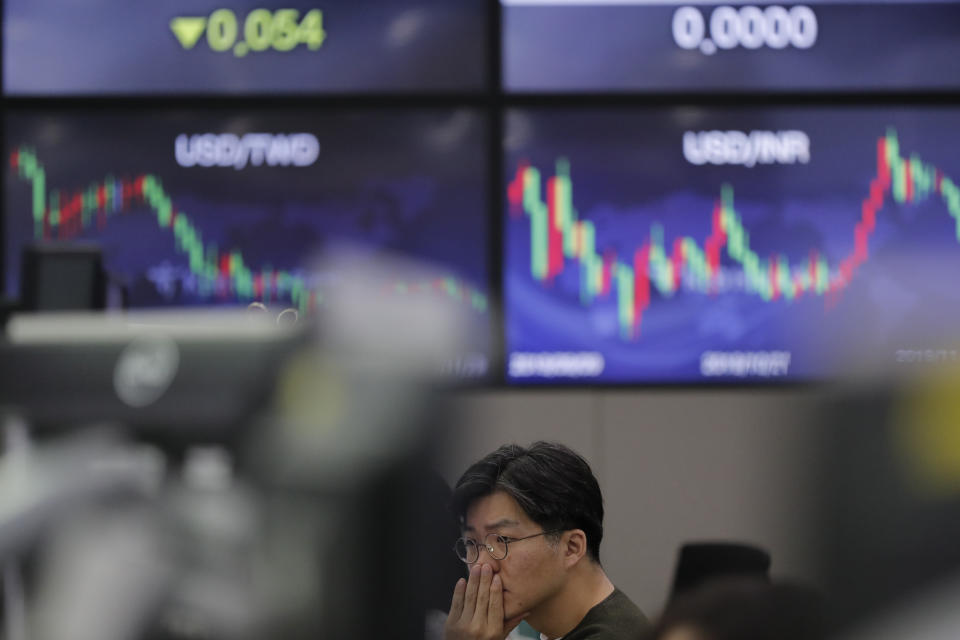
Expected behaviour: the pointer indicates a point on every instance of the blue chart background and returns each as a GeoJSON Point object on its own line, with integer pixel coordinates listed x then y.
{"type": "Point", "coordinates": [403, 182]}
{"type": "Point", "coordinates": [860, 45]}
{"type": "Point", "coordinates": [115, 46]}
{"type": "Point", "coordinates": [628, 171]}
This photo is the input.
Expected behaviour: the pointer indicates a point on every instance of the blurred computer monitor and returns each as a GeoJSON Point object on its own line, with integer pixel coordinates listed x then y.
{"type": "Point", "coordinates": [62, 277]}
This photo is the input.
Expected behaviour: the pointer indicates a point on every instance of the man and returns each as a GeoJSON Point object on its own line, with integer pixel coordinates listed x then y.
{"type": "Point", "coordinates": [532, 522]}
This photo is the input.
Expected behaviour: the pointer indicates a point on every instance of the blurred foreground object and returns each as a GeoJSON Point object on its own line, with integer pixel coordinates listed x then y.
{"type": "Point", "coordinates": [702, 562]}
{"type": "Point", "coordinates": [195, 376]}
{"type": "Point", "coordinates": [743, 609]}
{"type": "Point", "coordinates": [290, 465]}
{"type": "Point", "coordinates": [889, 506]}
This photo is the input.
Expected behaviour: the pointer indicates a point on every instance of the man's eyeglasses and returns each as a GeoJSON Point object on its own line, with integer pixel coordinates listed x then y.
{"type": "Point", "coordinates": [468, 549]}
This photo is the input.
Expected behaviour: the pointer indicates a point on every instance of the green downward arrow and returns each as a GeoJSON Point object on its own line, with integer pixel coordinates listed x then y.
{"type": "Point", "coordinates": [188, 30]}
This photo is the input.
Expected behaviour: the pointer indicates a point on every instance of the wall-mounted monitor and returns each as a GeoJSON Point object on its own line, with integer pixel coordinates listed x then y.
{"type": "Point", "coordinates": [111, 47]}
{"type": "Point", "coordinates": [228, 207]}
{"type": "Point", "coordinates": [696, 47]}
{"type": "Point", "coordinates": [698, 245]}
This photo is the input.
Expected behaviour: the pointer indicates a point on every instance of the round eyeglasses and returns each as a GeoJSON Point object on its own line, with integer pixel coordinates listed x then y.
{"type": "Point", "coordinates": [468, 549]}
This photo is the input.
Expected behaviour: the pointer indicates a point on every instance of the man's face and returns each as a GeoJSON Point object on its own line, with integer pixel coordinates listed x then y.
{"type": "Point", "coordinates": [532, 571]}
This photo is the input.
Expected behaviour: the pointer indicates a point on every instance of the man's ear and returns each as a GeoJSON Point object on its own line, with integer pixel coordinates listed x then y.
{"type": "Point", "coordinates": [574, 546]}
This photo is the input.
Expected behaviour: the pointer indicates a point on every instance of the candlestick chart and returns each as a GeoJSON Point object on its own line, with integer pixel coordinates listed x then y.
{"type": "Point", "coordinates": [626, 267]}
{"type": "Point", "coordinates": [181, 226]}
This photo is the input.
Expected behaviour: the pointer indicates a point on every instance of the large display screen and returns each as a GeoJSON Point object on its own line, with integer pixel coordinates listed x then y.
{"type": "Point", "coordinates": [52, 47]}
{"type": "Point", "coordinates": [215, 207]}
{"type": "Point", "coordinates": [673, 45]}
{"type": "Point", "coordinates": [693, 245]}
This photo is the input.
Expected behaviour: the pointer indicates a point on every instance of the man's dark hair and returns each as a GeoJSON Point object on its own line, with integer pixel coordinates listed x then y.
{"type": "Point", "coordinates": [552, 484]}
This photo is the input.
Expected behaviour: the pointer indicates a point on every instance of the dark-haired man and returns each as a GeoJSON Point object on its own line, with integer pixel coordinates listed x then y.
{"type": "Point", "coordinates": [532, 522]}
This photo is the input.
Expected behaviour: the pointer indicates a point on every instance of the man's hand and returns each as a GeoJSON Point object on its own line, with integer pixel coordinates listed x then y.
{"type": "Point", "coordinates": [476, 612]}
